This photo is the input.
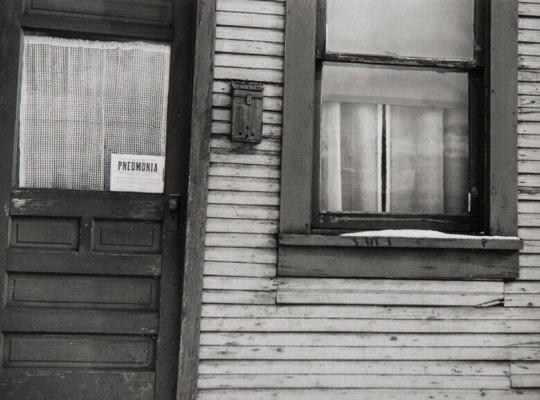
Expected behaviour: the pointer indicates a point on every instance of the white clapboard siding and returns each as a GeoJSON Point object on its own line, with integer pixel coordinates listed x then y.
{"type": "Point", "coordinates": [522, 294]}
{"type": "Point", "coordinates": [243, 184]}
{"type": "Point", "coordinates": [351, 381]}
{"type": "Point", "coordinates": [239, 283]}
{"type": "Point", "coordinates": [221, 268]}
{"type": "Point", "coordinates": [243, 19]}
{"type": "Point", "coordinates": [246, 61]}
{"type": "Point", "coordinates": [242, 198]}
{"type": "Point", "coordinates": [366, 325]}
{"type": "Point", "coordinates": [364, 339]}
{"type": "Point", "coordinates": [525, 375]}
{"type": "Point", "coordinates": [369, 353]}
{"type": "Point", "coordinates": [390, 292]}
{"type": "Point", "coordinates": [529, 207]}
{"type": "Point", "coordinates": [427, 368]}
{"type": "Point", "coordinates": [264, 338]}
{"type": "Point", "coordinates": [527, 273]}
{"type": "Point", "coordinates": [230, 225]}
{"type": "Point", "coordinates": [248, 47]}
{"type": "Point", "coordinates": [529, 9]}
{"type": "Point", "coordinates": [238, 297]}
{"type": "Point", "coordinates": [240, 254]}
{"type": "Point", "coordinates": [532, 219]}
{"type": "Point", "coordinates": [252, 6]}
{"type": "Point", "coordinates": [268, 117]}
{"type": "Point", "coordinates": [531, 247]}
{"type": "Point", "coordinates": [248, 159]}
{"type": "Point", "coordinates": [246, 171]}
{"type": "Point", "coordinates": [242, 212]}
{"type": "Point", "coordinates": [240, 240]}
{"type": "Point", "coordinates": [252, 74]}
{"type": "Point", "coordinates": [373, 313]}
{"type": "Point", "coordinates": [367, 394]}
{"type": "Point", "coordinates": [247, 33]}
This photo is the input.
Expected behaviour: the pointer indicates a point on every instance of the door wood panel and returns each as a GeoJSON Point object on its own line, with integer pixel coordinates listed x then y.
{"type": "Point", "coordinates": [154, 12]}
{"type": "Point", "coordinates": [47, 233]}
{"type": "Point", "coordinates": [31, 384]}
{"type": "Point", "coordinates": [82, 292]}
{"type": "Point", "coordinates": [78, 351]}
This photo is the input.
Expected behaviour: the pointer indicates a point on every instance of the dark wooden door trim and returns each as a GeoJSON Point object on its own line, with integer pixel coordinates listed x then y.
{"type": "Point", "coordinates": [197, 199]}
{"type": "Point", "coordinates": [10, 45]}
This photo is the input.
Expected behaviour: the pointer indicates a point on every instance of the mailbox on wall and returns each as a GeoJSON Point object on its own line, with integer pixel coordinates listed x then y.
{"type": "Point", "coordinates": [247, 108]}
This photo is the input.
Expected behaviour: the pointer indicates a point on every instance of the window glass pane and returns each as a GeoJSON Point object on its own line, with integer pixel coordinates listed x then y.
{"type": "Point", "coordinates": [442, 29]}
{"type": "Point", "coordinates": [83, 101]}
{"type": "Point", "coordinates": [393, 140]}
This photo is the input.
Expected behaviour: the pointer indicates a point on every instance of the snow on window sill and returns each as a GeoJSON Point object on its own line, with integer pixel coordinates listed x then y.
{"type": "Point", "coordinates": [406, 238]}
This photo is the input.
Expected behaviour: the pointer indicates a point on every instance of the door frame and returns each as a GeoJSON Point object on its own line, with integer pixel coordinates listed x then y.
{"type": "Point", "coordinates": [199, 163]}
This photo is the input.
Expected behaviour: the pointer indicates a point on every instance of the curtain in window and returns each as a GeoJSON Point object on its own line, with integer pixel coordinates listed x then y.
{"type": "Point", "coordinates": [82, 101]}
{"type": "Point", "coordinates": [349, 175]}
{"type": "Point", "coordinates": [390, 158]}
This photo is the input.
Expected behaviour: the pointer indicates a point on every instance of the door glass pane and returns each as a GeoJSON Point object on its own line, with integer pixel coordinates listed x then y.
{"type": "Point", "coordinates": [393, 140]}
{"type": "Point", "coordinates": [442, 29]}
{"type": "Point", "coordinates": [86, 102]}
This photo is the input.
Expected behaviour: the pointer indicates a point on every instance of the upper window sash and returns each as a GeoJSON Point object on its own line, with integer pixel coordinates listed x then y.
{"type": "Point", "coordinates": [477, 34]}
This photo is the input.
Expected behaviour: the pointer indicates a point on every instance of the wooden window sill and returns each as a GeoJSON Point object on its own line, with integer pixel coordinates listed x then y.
{"type": "Point", "coordinates": [403, 257]}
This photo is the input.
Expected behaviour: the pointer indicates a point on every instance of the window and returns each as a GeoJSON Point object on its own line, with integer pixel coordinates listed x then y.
{"type": "Point", "coordinates": [396, 118]}
{"type": "Point", "coordinates": [83, 101]}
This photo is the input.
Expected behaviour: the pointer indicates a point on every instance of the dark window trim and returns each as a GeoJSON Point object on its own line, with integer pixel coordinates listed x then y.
{"type": "Point", "coordinates": [476, 72]}
{"type": "Point", "coordinates": [500, 180]}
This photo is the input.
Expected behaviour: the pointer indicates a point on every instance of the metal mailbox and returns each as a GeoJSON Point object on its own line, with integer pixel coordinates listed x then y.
{"type": "Point", "coordinates": [247, 106]}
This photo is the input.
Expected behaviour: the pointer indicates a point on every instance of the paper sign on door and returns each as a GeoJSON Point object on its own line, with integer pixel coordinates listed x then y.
{"type": "Point", "coordinates": [135, 173]}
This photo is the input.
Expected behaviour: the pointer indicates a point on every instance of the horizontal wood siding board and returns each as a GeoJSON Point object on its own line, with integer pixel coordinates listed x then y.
{"type": "Point", "coordinates": [367, 339]}
{"type": "Point", "coordinates": [427, 368]}
{"type": "Point", "coordinates": [369, 353]}
{"type": "Point", "coordinates": [367, 326]}
{"type": "Point", "coordinates": [368, 381]}
{"type": "Point", "coordinates": [356, 262]}
{"type": "Point", "coordinates": [366, 394]}
{"type": "Point", "coordinates": [525, 375]}
{"type": "Point", "coordinates": [356, 312]}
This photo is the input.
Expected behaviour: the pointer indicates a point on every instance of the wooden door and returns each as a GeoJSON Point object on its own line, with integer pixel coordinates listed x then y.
{"type": "Point", "coordinates": [90, 279]}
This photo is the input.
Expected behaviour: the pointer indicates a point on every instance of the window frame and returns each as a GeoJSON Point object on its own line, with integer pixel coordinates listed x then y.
{"type": "Point", "coordinates": [327, 222]}
{"type": "Point", "coordinates": [494, 177]}
{"type": "Point", "coordinates": [497, 206]}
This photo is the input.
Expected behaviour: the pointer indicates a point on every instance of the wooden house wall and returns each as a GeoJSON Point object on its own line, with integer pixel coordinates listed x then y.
{"type": "Point", "coordinates": [266, 338]}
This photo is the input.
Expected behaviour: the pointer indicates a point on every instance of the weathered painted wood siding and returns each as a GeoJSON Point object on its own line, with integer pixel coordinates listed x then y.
{"type": "Point", "coordinates": [267, 338]}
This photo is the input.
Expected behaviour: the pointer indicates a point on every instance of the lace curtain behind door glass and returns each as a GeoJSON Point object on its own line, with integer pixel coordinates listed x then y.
{"type": "Point", "coordinates": [82, 101]}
